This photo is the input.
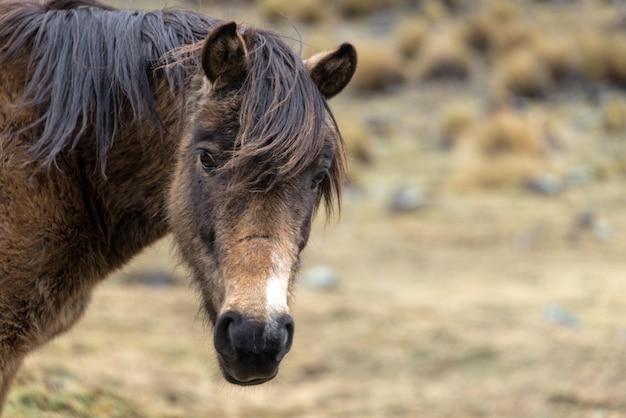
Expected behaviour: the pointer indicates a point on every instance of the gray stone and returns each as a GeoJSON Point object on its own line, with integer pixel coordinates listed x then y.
{"type": "Point", "coordinates": [546, 184]}
{"type": "Point", "coordinates": [579, 176]}
{"type": "Point", "coordinates": [602, 230]}
{"type": "Point", "coordinates": [556, 314]}
{"type": "Point", "coordinates": [406, 199]}
{"type": "Point", "coordinates": [320, 277]}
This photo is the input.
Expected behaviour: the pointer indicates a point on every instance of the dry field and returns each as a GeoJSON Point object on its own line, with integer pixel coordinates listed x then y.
{"type": "Point", "coordinates": [497, 290]}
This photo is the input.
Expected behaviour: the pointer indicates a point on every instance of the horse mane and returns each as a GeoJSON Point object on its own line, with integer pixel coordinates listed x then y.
{"type": "Point", "coordinates": [90, 62]}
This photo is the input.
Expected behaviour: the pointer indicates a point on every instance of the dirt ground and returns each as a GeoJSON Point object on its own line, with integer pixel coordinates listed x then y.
{"type": "Point", "coordinates": [478, 302]}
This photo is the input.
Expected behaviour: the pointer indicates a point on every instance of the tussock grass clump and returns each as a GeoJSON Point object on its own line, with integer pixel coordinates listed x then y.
{"type": "Point", "coordinates": [617, 59]}
{"type": "Point", "coordinates": [520, 73]}
{"type": "Point", "coordinates": [359, 8]}
{"type": "Point", "coordinates": [602, 56]}
{"type": "Point", "coordinates": [434, 11]}
{"type": "Point", "coordinates": [357, 137]}
{"type": "Point", "coordinates": [559, 55]}
{"type": "Point", "coordinates": [497, 29]}
{"type": "Point", "coordinates": [479, 32]}
{"type": "Point", "coordinates": [455, 6]}
{"type": "Point", "coordinates": [410, 36]}
{"type": "Point", "coordinates": [473, 171]}
{"type": "Point", "coordinates": [379, 68]}
{"type": "Point", "coordinates": [508, 132]}
{"type": "Point", "coordinates": [444, 56]}
{"type": "Point", "coordinates": [594, 50]}
{"type": "Point", "coordinates": [503, 149]}
{"type": "Point", "coordinates": [456, 119]}
{"type": "Point", "coordinates": [305, 11]}
{"type": "Point", "coordinates": [504, 11]}
{"type": "Point", "coordinates": [614, 115]}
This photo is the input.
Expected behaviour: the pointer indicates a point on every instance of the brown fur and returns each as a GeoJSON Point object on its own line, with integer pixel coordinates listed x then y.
{"type": "Point", "coordinates": [81, 194]}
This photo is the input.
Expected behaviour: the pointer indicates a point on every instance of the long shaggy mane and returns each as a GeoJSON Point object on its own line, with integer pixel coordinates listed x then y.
{"type": "Point", "coordinates": [90, 69]}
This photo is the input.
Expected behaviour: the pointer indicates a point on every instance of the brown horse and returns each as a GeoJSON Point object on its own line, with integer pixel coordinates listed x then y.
{"type": "Point", "coordinates": [118, 127]}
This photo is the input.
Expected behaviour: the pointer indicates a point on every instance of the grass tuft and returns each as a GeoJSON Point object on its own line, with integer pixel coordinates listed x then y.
{"type": "Point", "coordinates": [360, 8]}
{"type": "Point", "coordinates": [614, 115]}
{"type": "Point", "coordinates": [379, 68]}
{"type": "Point", "coordinates": [358, 139]}
{"type": "Point", "coordinates": [444, 56]}
{"type": "Point", "coordinates": [456, 119]}
{"type": "Point", "coordinates": [304, 11]}
{"type": "Point", "coordinates": [503, 149]}
{"type": "Point", "coordinates": [520, 73]}
{"type": "Point", "coordinates": [410, 36]}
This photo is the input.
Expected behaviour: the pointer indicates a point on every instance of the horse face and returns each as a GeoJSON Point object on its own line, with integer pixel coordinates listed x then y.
{"type": "Point", "coordinates": [239, 217]}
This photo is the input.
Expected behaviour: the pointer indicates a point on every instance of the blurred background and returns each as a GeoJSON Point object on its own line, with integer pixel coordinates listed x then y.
{"type": "Point", "coordinates": [478, 268]}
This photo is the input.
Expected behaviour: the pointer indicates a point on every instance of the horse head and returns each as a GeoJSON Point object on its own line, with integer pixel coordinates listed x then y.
{"type": "Point", "coordinates": [261, 152]}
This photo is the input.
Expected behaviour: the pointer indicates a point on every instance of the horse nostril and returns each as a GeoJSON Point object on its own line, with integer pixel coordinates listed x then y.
{"type": "Point", "coordinates": [287, 327]}
{"type": "Point", "coordinates": [222, 339]}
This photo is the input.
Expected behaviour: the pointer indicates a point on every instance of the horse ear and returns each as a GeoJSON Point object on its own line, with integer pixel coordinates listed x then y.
{"type": "Point", "coordinates": [332, 70]}
{"type": "Point", "coordinates": [224, 55]}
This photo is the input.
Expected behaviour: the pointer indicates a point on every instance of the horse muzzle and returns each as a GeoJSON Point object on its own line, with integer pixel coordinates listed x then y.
{"type": "Point", "coordinates": [249, 351]}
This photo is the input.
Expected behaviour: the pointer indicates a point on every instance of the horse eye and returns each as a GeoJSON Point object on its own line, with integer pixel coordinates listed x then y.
{"type": "Point", "coordinates": [319, 177]}
{"type": "Point", "coordinates": [207, 160]}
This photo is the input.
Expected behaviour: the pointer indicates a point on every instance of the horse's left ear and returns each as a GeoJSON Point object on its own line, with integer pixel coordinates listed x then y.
{"type": "Point", "coordinates": [224, 55]}
{"type": "Point", "coordinates": [332, 70]}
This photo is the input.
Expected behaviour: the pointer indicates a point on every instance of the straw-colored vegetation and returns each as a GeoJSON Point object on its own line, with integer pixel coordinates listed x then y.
{"type": "Point", "coordinates": [521, 73]}
{"type": "Point", "coordinates": [306, 11]}
{"type": "Point", "coordinates": [311, 11]}
{"type": "Point", "coordinates": [410, 35]}
{"type": "Point", "coordinates": [379, 68]}
{"type": "Point", "coordinates": [360, 8]}
{"type": "Point", "coordinates": [504, 148]}
{"type": "Point", "coordinates": [614, 115]}
{"type": "Point", "coordinates": [443, 56]}
{"type": "Point", "coordinates": [456, 119]}
{"type": "Point", "coordinates": [594, 49]}
{"type": "Point", "coordinates": [357, 137]}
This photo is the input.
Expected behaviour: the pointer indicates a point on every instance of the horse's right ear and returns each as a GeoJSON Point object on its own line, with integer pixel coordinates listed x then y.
{"type": "Point", "coordinates": [224, 55]}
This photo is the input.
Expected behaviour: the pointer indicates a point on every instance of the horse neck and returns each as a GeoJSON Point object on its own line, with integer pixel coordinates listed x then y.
{"type": "Point", "coordinates": [130, 194]}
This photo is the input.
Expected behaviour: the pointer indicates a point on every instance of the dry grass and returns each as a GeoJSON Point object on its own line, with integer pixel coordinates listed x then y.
{"type": "Point", "coordinates": [594, 50]}
{"type": "Point", "coordinates": [602, 55]}
{"type": "Point", "coordinates": [456, 119]}
{"type": "Point", "coordinates": [379, 68]}
{"type": "Point", "coordinates": [559, 55]}
{"type": "Point", "coordinates": [359, 8]}
{"type": "Point", "coordinates": [434, 11]}
{"type": "Point", "coordinates": [497, 28]}
{"type": "Point", "coordinates": [503, 149]}
{"type": "Point", "coordinates": [509, 132]}
{"type": "Point", "coordinates": [410, 35]}
{"type": "Point", "coordinates": [444, 56]}
{"type": "Point", "coordinates": [520, 73]}
{"type": "Point", "coordinates": [617, 59]}
{"type": "Point", "coordinates": [305, 11]}
{"type": "Point", "coordinates": [357, 137]}
{"type": "Point", "coordinates": [614, 115]}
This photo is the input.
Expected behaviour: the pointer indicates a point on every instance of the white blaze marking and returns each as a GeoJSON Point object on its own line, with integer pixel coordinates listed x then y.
{"type": "Point", "coordinates": [277, 287]}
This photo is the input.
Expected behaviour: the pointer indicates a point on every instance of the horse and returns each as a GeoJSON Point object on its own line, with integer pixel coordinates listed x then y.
{"type": "Point", "coordinates": [118, 127]}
